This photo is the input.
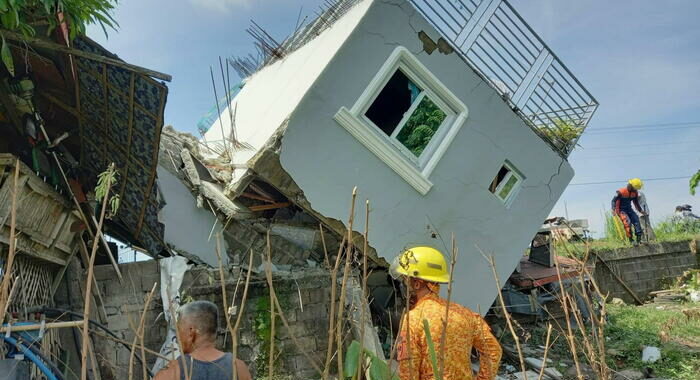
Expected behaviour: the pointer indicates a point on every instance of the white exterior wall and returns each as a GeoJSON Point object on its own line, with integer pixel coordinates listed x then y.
{"type": "Point", "coordinates": [187, 227]}
{"type": "Point", "coordinates": [272, 94]}
{"type": "Point", "coordinates": [327, 162]}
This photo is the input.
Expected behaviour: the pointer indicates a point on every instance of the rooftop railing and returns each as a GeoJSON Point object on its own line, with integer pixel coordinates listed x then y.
{"type": "Point", "coordinates": [495, 40]}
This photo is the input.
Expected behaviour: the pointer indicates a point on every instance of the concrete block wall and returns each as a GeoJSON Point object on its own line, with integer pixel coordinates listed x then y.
{"type": "Point", "coordinates": [304, 296]}
{"type": "Point", "coordinates": [645, 268]}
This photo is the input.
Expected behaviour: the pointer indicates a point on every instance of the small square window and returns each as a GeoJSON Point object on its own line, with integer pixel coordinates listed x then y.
{"type": "Point", "coordinates": [406, 113]}
{"type": "Point", "coordinates": [506, 183]}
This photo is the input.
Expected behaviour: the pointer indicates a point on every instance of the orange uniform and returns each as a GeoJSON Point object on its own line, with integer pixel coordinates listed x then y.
{"type": "Point", "coordinates": [465, 329]}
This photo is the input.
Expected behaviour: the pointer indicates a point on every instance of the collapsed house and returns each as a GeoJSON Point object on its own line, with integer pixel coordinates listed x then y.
{"type": "Point", "coordinates": [452, 120]}
{"type": "Point", "coordinates": [446, 117]}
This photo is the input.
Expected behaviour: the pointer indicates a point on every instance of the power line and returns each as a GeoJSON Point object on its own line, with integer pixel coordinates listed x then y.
{"type": "Point", "coordinates": [583, 148]}
{"type": "Point", "coordinates": [649, 154]}
{"type": "Point", "coordinates": [646, 125]}
{"type": "Point", "coordinates": [624, 180]}
{"type": "Point", "coordinates": [637, 130]}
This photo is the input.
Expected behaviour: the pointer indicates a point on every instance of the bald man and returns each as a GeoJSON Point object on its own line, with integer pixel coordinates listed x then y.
{"type": "Point", "coordinates": [196, 326]}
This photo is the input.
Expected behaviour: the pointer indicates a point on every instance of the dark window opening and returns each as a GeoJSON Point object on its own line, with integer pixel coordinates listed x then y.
{"type": "Point", "coordinates": [499, 178]}
{"type": "Point", "coordinates": [393, 102]}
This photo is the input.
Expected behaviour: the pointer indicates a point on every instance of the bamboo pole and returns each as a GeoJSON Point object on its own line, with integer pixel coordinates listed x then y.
{"type": "Point", "coordinates": [271, 365]}
{"type": "Point", "coordinates": [492, 264]}
{"type": "Point", "coordinates": [364, 291]}
{"type": "Point", "coordinates": [443, 337]}
{"type": "Point", "coordinates": [346, 273]}
{"type": "Point", "coordinates": [234, 334]}
{"type": "Point", "coordinates": [139, 336]}
{"type": "Point", "coordinates": [32, 327]}
{"type": "Point", "coordinates": [88, 286]}
{"type": "Point", "coordinates": [4, 297]}
{"type": "Point", "coordinates": [331, 312]}
{"type": "Point", "coordinates": [280, 313]}
{"type": "Point", "coordinates": [39, 42]}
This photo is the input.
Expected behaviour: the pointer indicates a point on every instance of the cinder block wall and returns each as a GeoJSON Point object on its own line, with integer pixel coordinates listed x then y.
{"type": "Point", "coordinates": [305, 298]}
{"type": "Point", "coordinates": [645, 268]}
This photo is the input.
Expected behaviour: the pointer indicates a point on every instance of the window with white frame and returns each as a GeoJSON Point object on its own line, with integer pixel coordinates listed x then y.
{"type": "Point", "coordinates": [406, 117]}
{"type": "Point", "coordinates": [506, 183]}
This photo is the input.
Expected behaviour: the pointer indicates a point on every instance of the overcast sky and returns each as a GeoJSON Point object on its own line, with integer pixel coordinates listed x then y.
{"type": "Point", "coordinates": [638, 58]}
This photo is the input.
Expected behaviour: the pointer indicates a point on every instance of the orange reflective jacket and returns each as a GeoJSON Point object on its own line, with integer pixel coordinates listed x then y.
{"type": "Point", "coordinates": [465, 329]}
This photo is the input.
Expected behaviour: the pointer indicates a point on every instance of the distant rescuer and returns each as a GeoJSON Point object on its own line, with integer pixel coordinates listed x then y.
{"type": "Point", "coordinates": [196, 326]}
{"type": "Point", "coordinates": [622, 207]}
{"type": "Point", "coordinates": [422, 270]}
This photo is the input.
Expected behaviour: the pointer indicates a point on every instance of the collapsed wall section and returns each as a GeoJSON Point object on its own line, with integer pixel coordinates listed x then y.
{"type": "Point", "coordinates": [304, 297]}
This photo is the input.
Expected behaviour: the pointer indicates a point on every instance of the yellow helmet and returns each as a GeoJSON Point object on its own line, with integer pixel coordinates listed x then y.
{"type": "Point", "coordinates": [425, 263]}
{"type": "Point", "coordinates": [636, 183]}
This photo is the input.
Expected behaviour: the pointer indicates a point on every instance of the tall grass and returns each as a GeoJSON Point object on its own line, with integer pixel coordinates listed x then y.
{"type": "Point", "coordinates": [672, 229]}
{"type": "Point", "coordinates": [614, 229]}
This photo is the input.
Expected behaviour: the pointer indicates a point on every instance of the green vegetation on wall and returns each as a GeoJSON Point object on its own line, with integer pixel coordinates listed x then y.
{"type": "Point", "coordinates": [562, 133]}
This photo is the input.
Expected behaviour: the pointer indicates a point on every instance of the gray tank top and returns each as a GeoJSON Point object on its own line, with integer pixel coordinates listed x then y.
{"type": "Point", "coordinates": [219, 369]}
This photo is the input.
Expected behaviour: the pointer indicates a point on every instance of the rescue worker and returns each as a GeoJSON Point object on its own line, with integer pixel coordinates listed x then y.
{"type": "Point", "coordinates": [622, 207]}
{"type": "Point", "coordinates": [421, 270]}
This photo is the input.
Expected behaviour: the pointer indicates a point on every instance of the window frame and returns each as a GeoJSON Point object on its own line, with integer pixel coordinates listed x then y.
{"type": "Point", "coordinates": [512, 172]}
{"type": "Point", "coordinates": [414, 170]}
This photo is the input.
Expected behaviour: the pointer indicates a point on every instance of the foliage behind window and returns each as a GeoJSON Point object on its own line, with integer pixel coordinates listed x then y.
{"type": "Point", "coordinates": [421, 126]}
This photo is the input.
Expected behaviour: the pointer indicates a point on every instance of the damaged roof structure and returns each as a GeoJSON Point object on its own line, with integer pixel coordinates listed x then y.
{"type": "Point", "coordinates": [409, 102]}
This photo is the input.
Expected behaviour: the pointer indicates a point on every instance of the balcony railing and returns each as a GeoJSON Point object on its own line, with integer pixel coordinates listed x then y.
{"type": "Point", "coordinates": [494, 39]}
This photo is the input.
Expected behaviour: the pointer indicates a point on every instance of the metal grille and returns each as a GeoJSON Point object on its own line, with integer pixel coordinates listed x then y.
{"type": "Point", "coordinates": [495, 40]}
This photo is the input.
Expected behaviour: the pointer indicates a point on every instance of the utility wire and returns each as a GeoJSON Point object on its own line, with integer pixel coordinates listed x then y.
{"type": "Point", "coordinates": [637, 130]}
{"type": "Point", "coordinates": [584, 148]}
{"type": "Point", "coordinates": [648, 154]}
{"type": "Point", "coordinates": [623, 181]}
{"type": "Point", "coordinates": [645, 125]}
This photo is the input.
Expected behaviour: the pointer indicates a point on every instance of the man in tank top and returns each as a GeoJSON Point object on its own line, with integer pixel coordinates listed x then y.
{"type": "Point", "coordinates": [197, 325]}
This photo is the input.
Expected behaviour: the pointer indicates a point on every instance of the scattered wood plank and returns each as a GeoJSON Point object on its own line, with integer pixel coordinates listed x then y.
{"type": "Point", "coordinates": [618, 279]}
{"type": "Point", "coordinates": [271, 206]}
{"type": "Point", "coordinates": [258, 197]}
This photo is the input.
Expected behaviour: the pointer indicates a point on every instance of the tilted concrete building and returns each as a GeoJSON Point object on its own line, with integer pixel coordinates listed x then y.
{"type": "Point", "coordinates": [450, 119]}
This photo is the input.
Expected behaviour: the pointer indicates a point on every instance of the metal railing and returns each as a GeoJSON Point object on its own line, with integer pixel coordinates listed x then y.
{"type": "Point", "coordinates": [495, 40]}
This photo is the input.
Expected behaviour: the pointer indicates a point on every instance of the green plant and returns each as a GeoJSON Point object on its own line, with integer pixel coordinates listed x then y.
{"type": "Point", "coordinates": [630, 328]}
{"type": "Point", "coordinates": [105, 181]}
{"type": "Point", "coordinates": [262, 325]}
{"type": "Point", "coordinates": [614, 229]}
{"type": "Point", "coordinates": [562, 133]}
{"type": "Point", "coordinates": [694, 181]}
{"type": "Point", "coordinates": [22, 16]}
{"type": "Point", "coordinates": [378, 368]}
{"type": "Point", "coordinates": [672, 229]}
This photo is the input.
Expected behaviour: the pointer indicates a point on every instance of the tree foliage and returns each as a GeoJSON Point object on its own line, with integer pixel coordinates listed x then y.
{"type": "Point", "coordinates": [694, 181]}
{"type": "Point", "coordinates": [24, 16]}
{"type": "Point", "coordinates": [421, 126]}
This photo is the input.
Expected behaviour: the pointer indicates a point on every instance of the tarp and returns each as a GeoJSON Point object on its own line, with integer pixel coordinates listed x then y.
{"type": "Point", "coordinates": [120, 117]}
{"type": "Point", "coordinates": [172, 272]}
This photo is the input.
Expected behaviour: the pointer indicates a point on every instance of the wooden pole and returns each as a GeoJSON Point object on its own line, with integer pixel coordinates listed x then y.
{"type": "Point", "coordinates": [619, 280]}
{"type": "Point", "coordinates": [4, 288]}
{"type": "Point", "coordinates": [42, 43]}
{"type": "Point", "coordinates": [50, 325]}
